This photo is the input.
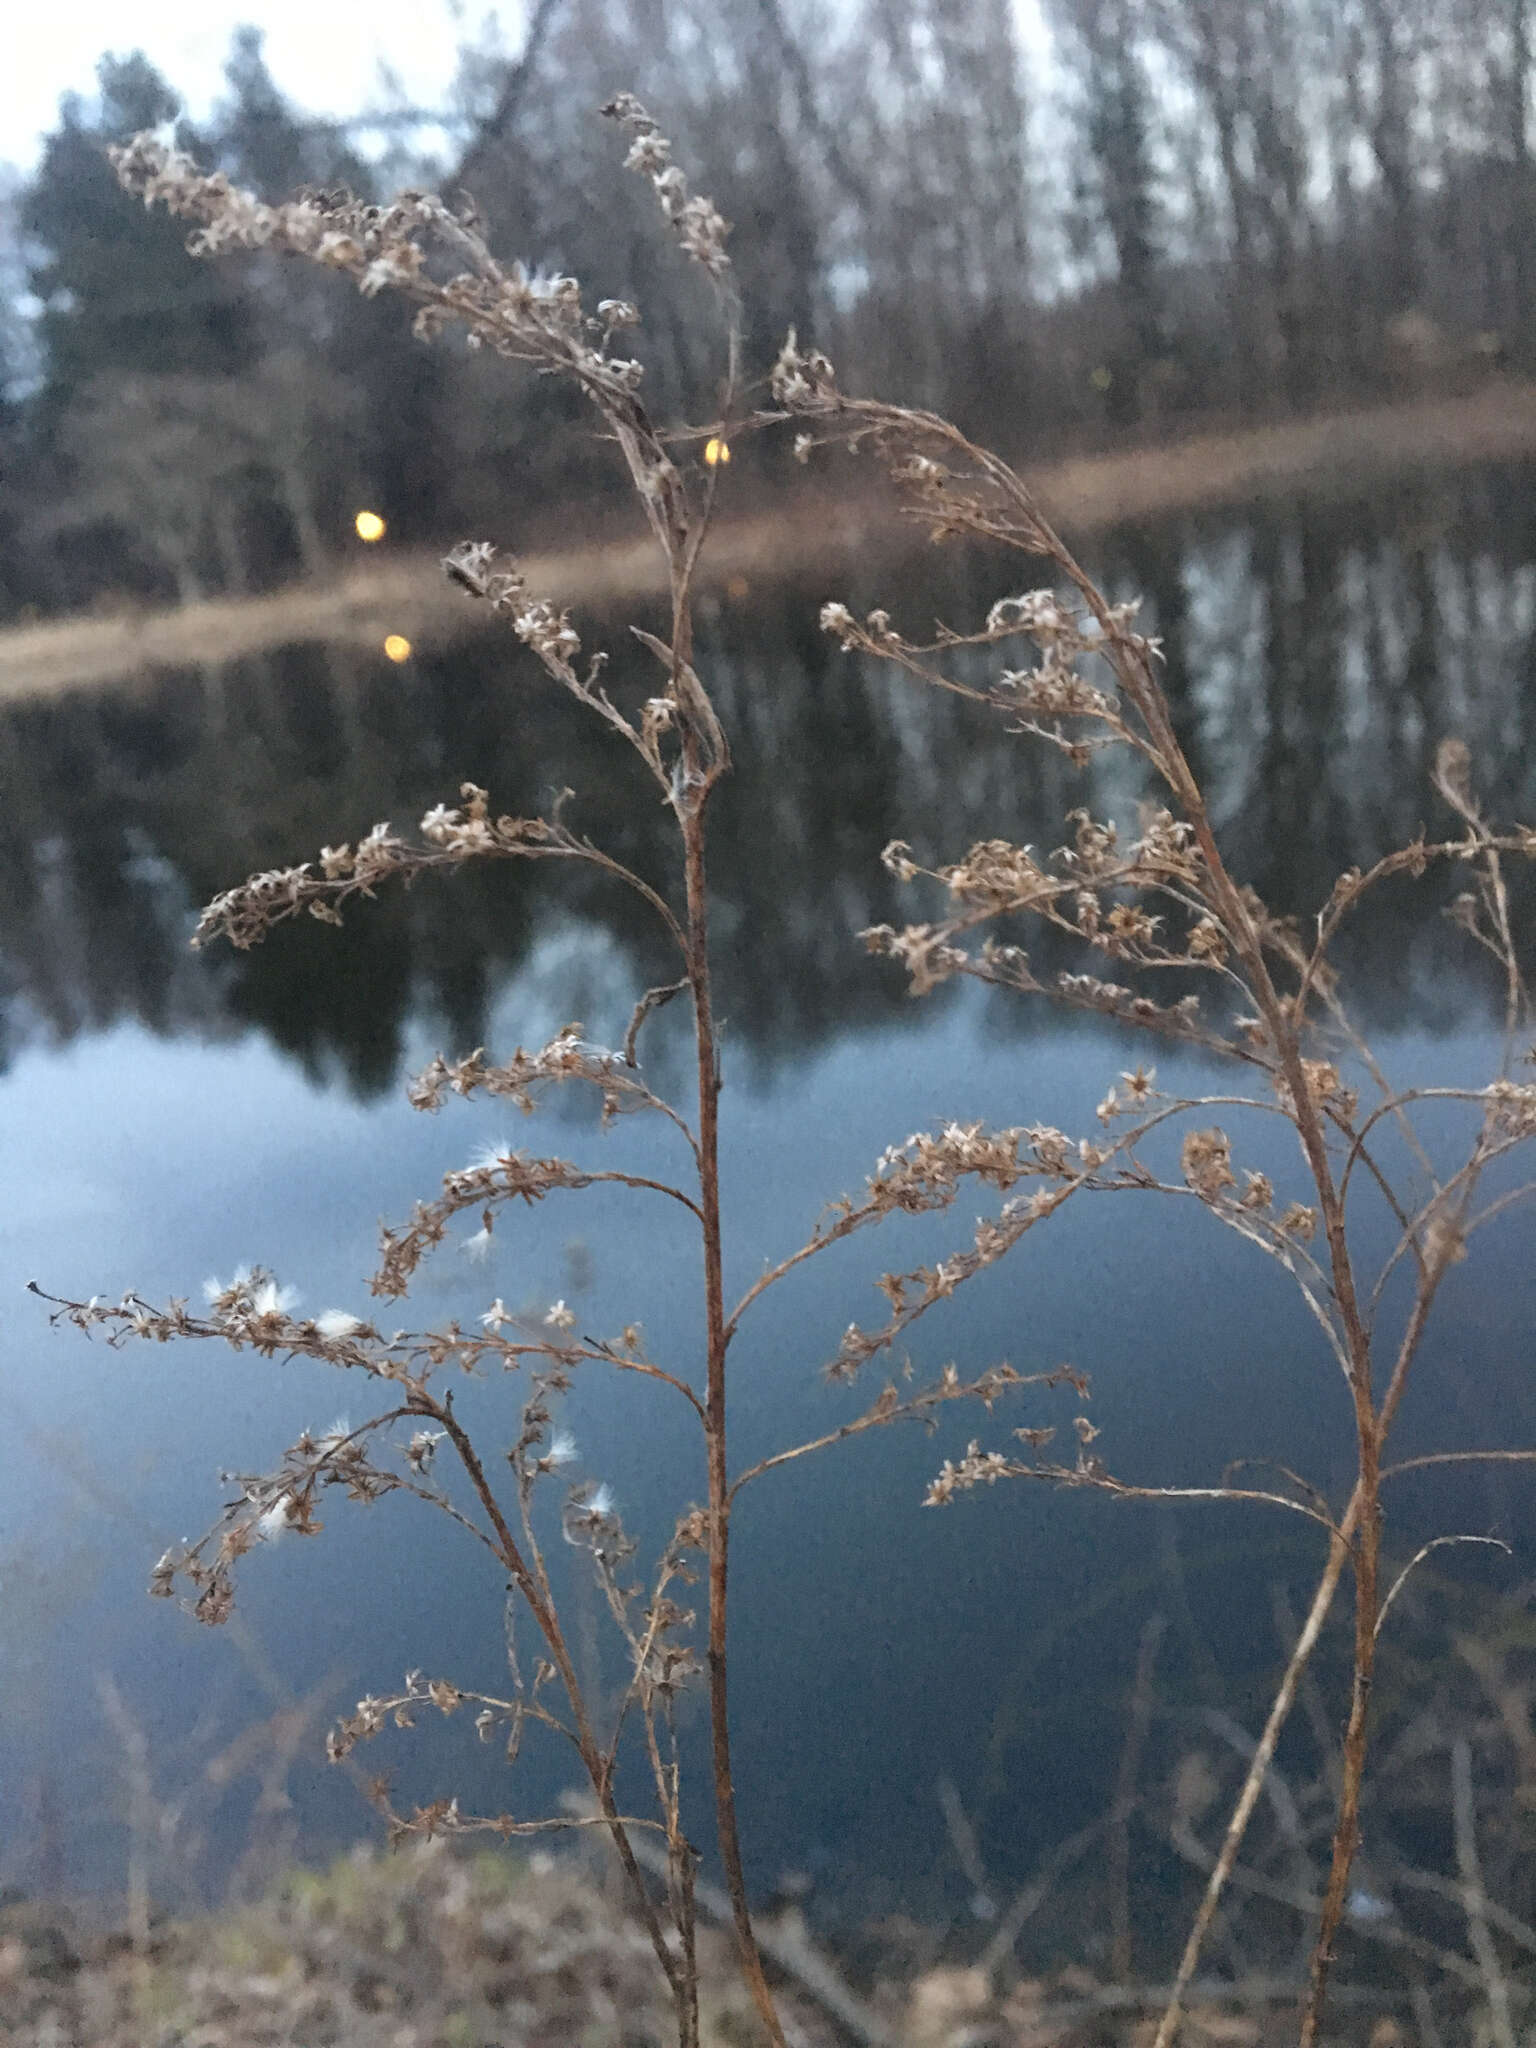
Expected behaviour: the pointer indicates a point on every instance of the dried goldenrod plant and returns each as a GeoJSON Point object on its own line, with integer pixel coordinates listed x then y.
{"type": "Point", "coordinates": [1266, 998]}
{"type": "Point", "coordinates": [1157, 904]}
{"type": "Point", "coordinates": [438, 259]}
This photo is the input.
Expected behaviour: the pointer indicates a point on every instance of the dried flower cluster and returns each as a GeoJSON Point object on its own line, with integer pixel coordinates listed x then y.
{"type": "Point", "coordinates": [525, 1075]}
{"type": "Point", "coordinates": [529, 318]}
{"type": "Point", "coordinates": [693, 219]}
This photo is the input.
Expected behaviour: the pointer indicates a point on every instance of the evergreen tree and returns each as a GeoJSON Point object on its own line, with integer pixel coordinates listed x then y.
{"type": "Point", "coordinates": [116, 288]}
{"type": "Point", "coordinates": [1116, 186]}
{"type": "Point", "coordinates": [258, 138]}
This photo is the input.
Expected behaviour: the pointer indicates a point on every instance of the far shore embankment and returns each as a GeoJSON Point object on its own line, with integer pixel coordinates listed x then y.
{"type": "Point", "coordinates": [808, 534]}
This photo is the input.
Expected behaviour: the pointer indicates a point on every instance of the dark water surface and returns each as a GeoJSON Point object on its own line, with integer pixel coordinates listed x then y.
{"type": "Point", "coordinates": [165, 1117]}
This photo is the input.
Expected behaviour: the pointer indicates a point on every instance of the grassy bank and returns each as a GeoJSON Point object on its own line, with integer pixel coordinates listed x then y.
{"type": "Point", "coordinates": [806, 534]}
{"type": "Point", "coordinates": [430, 1949]}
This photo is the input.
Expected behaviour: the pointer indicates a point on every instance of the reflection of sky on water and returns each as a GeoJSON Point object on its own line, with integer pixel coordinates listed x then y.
{"type": "Point", "coordinates": [166, 1119]}
{"type": "Point", "coordinates": [879, 1644]}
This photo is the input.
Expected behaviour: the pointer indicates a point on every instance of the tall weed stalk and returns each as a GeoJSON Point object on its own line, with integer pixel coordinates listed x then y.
{"type": "Point", "coordinates": [1151, 905]}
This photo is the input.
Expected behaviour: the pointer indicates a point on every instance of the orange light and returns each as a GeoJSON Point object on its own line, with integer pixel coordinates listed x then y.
{"type": "Point", "coordinates": [369, 526]}
{"type": "Point", "coordinates": [397, 647]}
{"type": "Point", "coordinates": [716, 450]}
{"type": "Point", "coordinates": [737, 588]}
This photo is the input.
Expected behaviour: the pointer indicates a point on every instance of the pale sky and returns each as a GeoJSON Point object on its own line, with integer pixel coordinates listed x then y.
{"type": "Point", "coordinates": [324, 54]}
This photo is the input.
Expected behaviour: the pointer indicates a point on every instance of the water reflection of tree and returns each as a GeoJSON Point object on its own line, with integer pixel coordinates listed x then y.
{"type": "Point", "coordinates": [1349, 637]}
{"type": "Point", "coordinates": [1316, 653]}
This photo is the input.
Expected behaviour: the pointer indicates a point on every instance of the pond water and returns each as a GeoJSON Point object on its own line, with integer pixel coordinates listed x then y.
{"type": "Point", "coordinates": [168, 1116]}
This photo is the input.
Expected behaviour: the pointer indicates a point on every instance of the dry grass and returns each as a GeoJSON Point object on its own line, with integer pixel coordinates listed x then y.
{"type": "Point", "coordinates": [420, 1950]}
{"type": "Point", "coordinates": [427, 1949]}
{"type": "Point", "coordinates": [808, 530]}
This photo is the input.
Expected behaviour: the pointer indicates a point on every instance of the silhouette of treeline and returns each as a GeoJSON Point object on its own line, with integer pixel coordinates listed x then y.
{"type": "Point", "coordinates": [1317, 652]}
{"type": "Point", "coordinates": [1230, 204]}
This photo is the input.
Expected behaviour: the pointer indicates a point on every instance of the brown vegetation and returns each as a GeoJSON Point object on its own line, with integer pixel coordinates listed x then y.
{"type": "Point", "coordinates": [429, 1949]}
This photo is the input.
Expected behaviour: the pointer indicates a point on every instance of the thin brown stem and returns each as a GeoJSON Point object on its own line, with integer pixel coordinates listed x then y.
{"type": "Point", "coordinates": [1475, 1898]}
{"type": "Point", "coordinates": [528, 1585]}
{"type": "Point", "coordinates": [1458, 1458]}
{"type": "Point", "coordinates": [1306, 1642]}
{"type": "Point", "coordinates": [1119, 1845]}
{"type": "Point", "coordinates": [1346, 1833]}
{"type": "Point", "coordinates": [1367, 1557]}
{"type": "Point", "coordinates": [719, 1515]}
{"type": "Point", "coordinates": [1427, 1550]}
{"type": "Point", "coordinates": [1253, 1783]}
